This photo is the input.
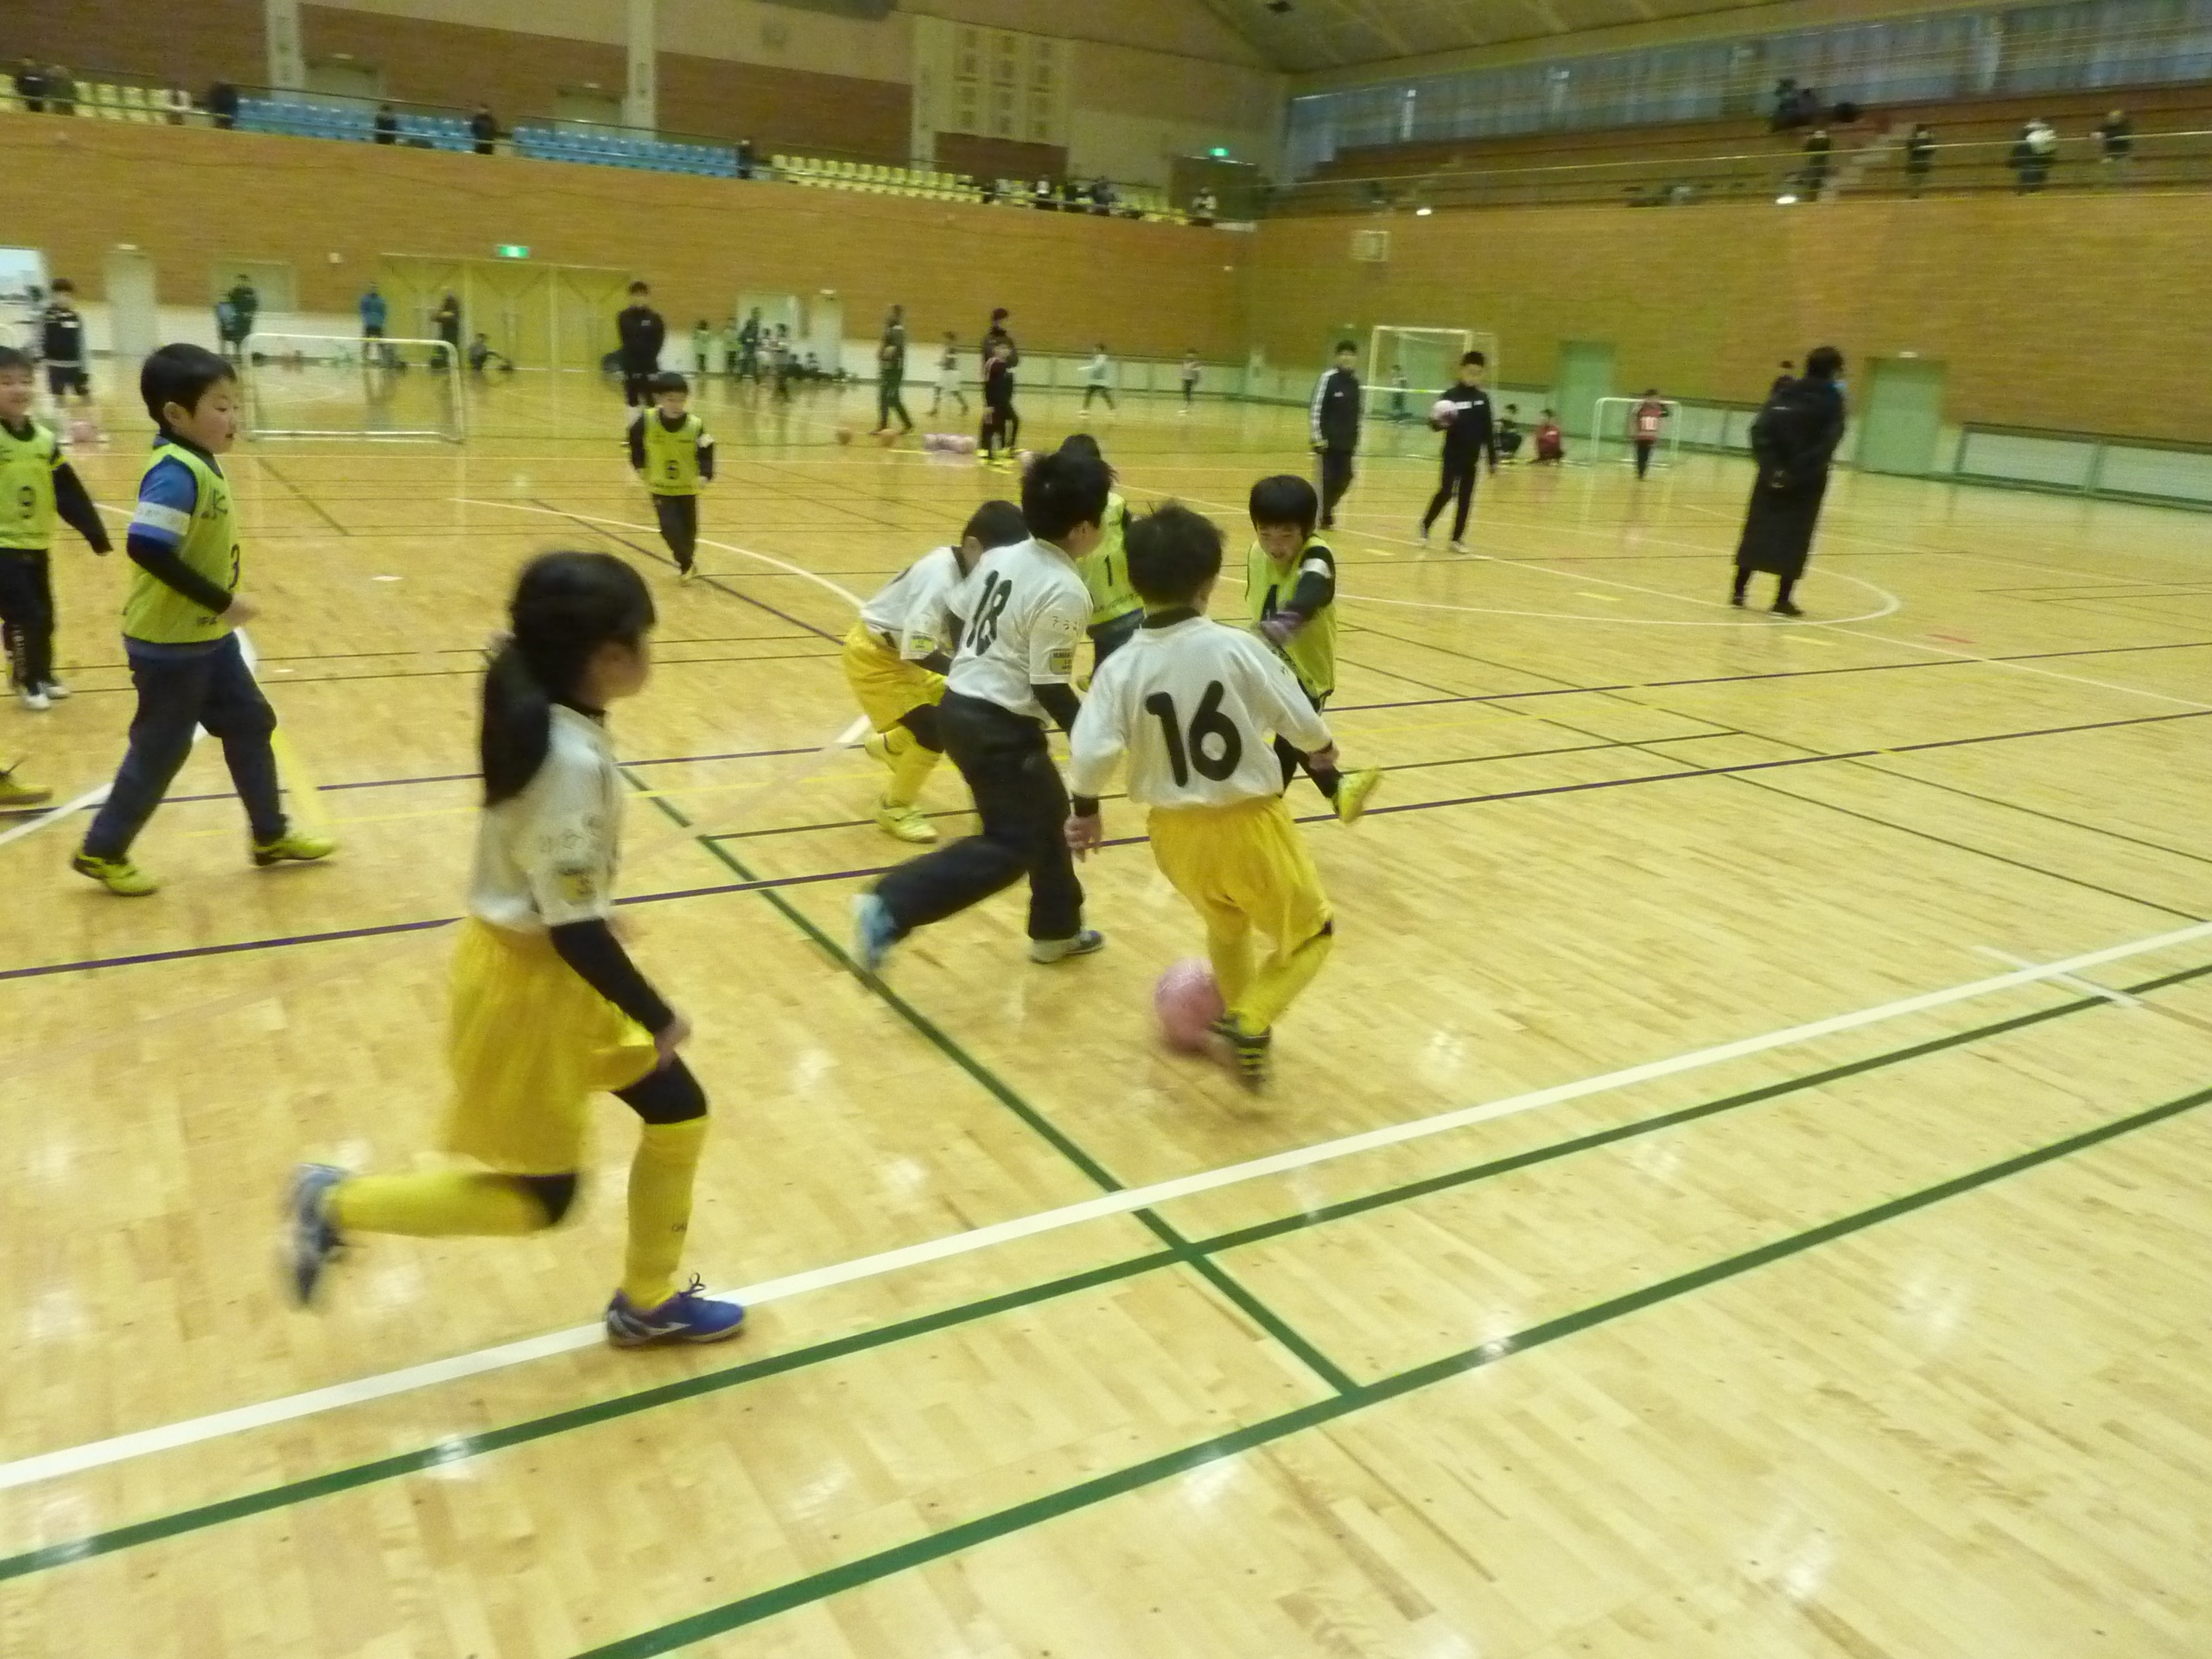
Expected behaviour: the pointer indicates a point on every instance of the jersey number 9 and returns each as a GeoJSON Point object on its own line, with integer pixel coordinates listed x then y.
{"type": "Point", "coordinates": [1208, 725]}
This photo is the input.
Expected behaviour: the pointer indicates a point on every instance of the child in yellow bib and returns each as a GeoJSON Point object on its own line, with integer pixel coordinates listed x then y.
{"type": "Point", "coordinates": [37, 488]}
{"type": "Point", "coordinates": [179, 630]}
{"type": "Point", "coordinates": [547, 1007]}
{"type": "Point", "coordinates": [1290, 591]}
{"type": "Point", "coordinates": [1116, 610]}
{"type": "Point", "coordinates": [673, 455]}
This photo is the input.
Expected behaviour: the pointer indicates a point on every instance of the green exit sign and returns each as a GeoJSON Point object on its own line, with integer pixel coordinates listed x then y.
{"type": "Point", "coordinates": [1218, 153]}
{"type": "Point", "coordinates": [511, 251]}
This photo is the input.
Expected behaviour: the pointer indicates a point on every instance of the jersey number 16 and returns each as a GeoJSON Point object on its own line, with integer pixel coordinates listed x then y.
{"type": "Point", "coordinates": [1208, 725]}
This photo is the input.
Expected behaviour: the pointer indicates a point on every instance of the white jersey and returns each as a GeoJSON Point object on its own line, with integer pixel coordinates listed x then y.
{"type": "Point", "coordinates": [914, 612]}
{"type": "Point", "coordinates": [1026, 609]}
{"type": "Point", "coordinates": [547, 857]}
{"type": "Point", "coordinates": [1100, 371]}
{"type": "Point", "coordinates": [948, 369]}
{"type": "Point", "coordinates": [1194, 706]}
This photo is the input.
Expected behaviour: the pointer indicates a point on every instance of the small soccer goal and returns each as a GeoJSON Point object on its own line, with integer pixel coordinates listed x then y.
{"type": "Point", "coordinates": [1612, 430]}
{"type": "Point", "coordinates": [1428, 359]}
{"type": "Point", "coordinates": [340, 386]}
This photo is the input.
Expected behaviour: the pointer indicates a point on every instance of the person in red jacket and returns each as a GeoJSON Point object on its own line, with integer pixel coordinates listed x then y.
{"type": "Point", "coordinates": [1549, 446]}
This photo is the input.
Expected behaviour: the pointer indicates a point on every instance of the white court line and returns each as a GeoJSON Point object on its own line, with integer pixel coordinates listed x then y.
{"type": "Point", "coordinates": [2072, 982]}
{"type": "Point", "coordinates": [240, 1419]}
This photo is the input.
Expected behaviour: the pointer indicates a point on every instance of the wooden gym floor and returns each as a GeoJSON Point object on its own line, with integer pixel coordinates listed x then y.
{"type": "Point", "coordinates": [1720, 1231]}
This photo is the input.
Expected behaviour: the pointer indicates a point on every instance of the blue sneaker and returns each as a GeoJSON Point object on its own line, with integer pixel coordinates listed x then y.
{"type": "Point", "coordinates": [873, 932]}
{"type": "Point", "coordinates": [691, 1315]}
{"type": "Point", "coordinates": [314, 1240]}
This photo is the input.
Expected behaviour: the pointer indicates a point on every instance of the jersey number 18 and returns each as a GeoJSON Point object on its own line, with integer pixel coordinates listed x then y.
{"type": "Point", "coordinates": [985, 628]}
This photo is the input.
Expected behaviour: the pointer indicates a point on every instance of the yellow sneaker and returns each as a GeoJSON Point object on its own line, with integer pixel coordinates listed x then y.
{"type": "Point", "coordinates": [904, 824]}
{"type": "Point", "coordinates": [14, 795]}
{"type": "Point", "coordinates": [298, 846]}
{"type": "Point", "coordinates": [119, 875]}
{"type": "Point", "coordinates": [1352, 793]}
{"type": "Point", "coordinates": [885, 747]}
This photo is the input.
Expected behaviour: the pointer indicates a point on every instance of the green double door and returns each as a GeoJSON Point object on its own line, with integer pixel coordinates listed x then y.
{"type": "Point", "coordinates": [1899, 416]}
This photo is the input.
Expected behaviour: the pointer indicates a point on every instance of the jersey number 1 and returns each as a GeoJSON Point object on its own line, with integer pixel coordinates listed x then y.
{"type": "Point", "coordinates": [1208, 723]}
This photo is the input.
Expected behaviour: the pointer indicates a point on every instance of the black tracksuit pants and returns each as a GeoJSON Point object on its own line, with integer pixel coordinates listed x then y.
{"type": "Point", "coordinates": [1457, 478]}
{"type": "Point", "coordinates": [1336, 479]}
{"type": "Point", "coordinates": [27, 611]}
{"type": "Point", "coordinates": [679, 525]}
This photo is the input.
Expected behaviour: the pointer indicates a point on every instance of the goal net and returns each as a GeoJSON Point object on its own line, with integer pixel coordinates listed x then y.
{"type": "Point", "coordinates": [338, 387]}
{"type": "Point", "coordinates": [1612, 430]}
{"type": "Point", "coordinates": [1428, 359]}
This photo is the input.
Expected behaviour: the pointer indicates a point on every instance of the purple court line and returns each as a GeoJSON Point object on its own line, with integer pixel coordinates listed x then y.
{"type": "Point", "coordinates": [471, 777]}
{"type": "Point", "coordinates": [1131, 840]}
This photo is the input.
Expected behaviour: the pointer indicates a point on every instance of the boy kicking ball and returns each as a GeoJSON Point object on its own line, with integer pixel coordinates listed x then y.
{"type": "Point", "coordinates": [1192, 705]}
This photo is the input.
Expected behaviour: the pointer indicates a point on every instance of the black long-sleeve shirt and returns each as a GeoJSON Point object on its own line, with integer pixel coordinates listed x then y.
{"type": "Point", "coordinates": [601, 962]}
{"type": "Point", "coordinates": [1336, 411]}
{"type": "Point", "coordinates": [643, 333]}
{"type": "Point", "coordinates": [62, 335]}
{"type": "Point", "coordinates": [167, 566]}
{"type": "Point", "coordinates": [998, 384]}
{"type": "Point", "coordinates": [75, 503]}
{"type": "Point", "coordinates": [1473, 431]}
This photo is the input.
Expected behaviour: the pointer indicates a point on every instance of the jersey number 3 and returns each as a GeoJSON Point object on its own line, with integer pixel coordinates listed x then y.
{"type": "Point", "coordinates": [1208, 725]}
{"type": "Point", "coordinates": [985, 628]}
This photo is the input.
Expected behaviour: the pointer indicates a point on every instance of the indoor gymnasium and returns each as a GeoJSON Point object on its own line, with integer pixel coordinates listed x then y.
{"type": "Point", "coordinates": [886, 828]}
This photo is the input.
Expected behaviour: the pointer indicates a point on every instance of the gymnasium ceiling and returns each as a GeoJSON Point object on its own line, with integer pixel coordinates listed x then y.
{"type": "Point", "coordinates": [1315, 34]}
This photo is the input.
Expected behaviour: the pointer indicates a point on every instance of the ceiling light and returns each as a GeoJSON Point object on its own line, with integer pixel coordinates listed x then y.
{"type": "Point", "coordinates": [1423, 213]}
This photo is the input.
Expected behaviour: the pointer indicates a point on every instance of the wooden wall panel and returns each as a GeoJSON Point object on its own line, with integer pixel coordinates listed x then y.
{"type": "Point", "coordinates": [999, 158]}
{"type": "Point", "coordinates": [191, 44]}
{"type": "Point", "coordinates": [185, 195]}
{"type": "Point", "coordinates": [787, 109]}
{"type": "Point", "coordinates": [518, 75]}
{"type": "Point", "coordinates": [2073, 312]}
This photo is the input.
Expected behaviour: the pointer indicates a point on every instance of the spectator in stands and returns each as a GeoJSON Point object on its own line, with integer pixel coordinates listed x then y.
{"type": "Point", "coordinates": [30, 85]}
{"type": "Point", "coordinates": [1042, 199]}
{"type": "Point", "coordinates": [447, 318]}
{"type": "Point", "coordinates": [642, 333]}
{"type": "Point", "coordinates": [1073, 198]}
{"type": "Point", "coordinates": [1814, 178]}
{"type": "Point", "coordinates": [484, 129]}
{"type": "Point", "coordinates": [1919, 157]}
{"type": "Point", "coordinates": [2115, 145]}
{"type": "Point", "coordinates": [222, 104]}
{"type": "Point", "coordinates": [745, 158]}
{"type": "Point", "coordinates": [1785, 104]}
{"type": "Point", "coordinates": [387, 124]}
{"type": "Point", "coordinates": [1206, 207]}
{"type": "Point", "coordinates": [2032, 154]}
{"type": "Point", "coordinates": [1102, 196]}
{"type": "Point", "coordinates": [61, 91]}
{"type": "Point", "coordinates": [177, 103]}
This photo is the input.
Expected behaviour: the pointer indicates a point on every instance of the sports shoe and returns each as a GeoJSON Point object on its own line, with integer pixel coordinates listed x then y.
{"type": "Point", "coordinates": [885, 747]}
{"type": "Point", "coordinates": [1250, 1055]}
{"type": "Point", "coordinates": [1736, 599]}
{"type": "Point", "coordinates": [873, 932]}
{"type": "Point", "coordinates": [691, 1315]}
{"type": "Point", "coordinates": [1459, 546]}
{"type": "Point", "coordinates": [298, 846]}
{"type": "Point", "coordinates": [119, 875]}
{"type": "Point", "coordinates": [1423, 533]}
{"type": "Point", "coordinates": [314, 1240]}
{"type": "Point", "coordinates": [55, 691]}
{"type": "Point", "coordinates": [35, 698]}
{"type": "Point", "coordinates": [1352, 793]}
{"type": "Point", "coordinates": [1784, 607]}
{"type": "Point", "coordinates": [14, 795]}
{"type": "Point", "coordinates": [904, 824]}
{"type": "Point", "coordinates": [1082, 944]}
{"type": "Point", "coordinates": [687, 573]}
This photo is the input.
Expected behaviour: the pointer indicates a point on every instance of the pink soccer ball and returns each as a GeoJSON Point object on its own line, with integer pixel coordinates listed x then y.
{"type": "Point", "coordinates": [1443, 412]}
{"type": "Point", "coordinates": [84, 431]}
{"type": "Point", "coordinates": [1186, 1001]}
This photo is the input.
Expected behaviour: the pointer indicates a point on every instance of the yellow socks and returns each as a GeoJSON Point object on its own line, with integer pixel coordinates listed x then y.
{"type": "Point", "coordinates": [438, 1204]}
{"type": "Point", "coordinates": [660, 1208]}
{"type": "Point", "coordinates": [1276, 986]}
{"type": "Point", "coordinates": [910, 769]}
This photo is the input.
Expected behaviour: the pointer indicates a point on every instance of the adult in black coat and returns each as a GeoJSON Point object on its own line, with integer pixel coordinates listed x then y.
{"type": "Point", "coordinates": [1794, 440]}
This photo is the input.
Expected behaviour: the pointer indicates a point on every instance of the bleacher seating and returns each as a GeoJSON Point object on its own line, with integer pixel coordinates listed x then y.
{"type": "Point", "coordinates": [556, 143]}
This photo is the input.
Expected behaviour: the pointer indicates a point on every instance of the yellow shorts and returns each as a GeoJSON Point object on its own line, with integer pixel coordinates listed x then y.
{"type": "Point", "coordinates": [1248, 859]}
{"type": "Point", "coordinates": [530, 1043]}
{"type": "Point", "coordinates": [888, 686]}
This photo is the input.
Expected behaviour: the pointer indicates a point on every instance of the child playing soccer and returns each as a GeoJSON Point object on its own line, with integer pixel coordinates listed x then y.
{"type": "Point", "coordinates": [1116, 610]}
{"type": "Point", "coordinates": [36, 486]}
{"type": "Point", "coordinates": [947, 376]}
{"type": "Point", "coordinates": [673, 455]}
{"type": "Point", "coordinates": [1192, 705]}
{"type": "Point", "coordinates": [1290, 584]}
{"type": "Point", "coordinates": [896, 657]}
{"type": "Point", "coordinates": [179, 630]}
{"type": "Point", "coordinates": [546, 1005]}
{"type": "Point", "coordinates": [1190, 376]}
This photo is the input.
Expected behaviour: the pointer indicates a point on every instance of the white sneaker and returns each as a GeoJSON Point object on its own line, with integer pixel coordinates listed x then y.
{"type": "Point", "coordinates": [1082, 944]}
{"type": "Point", "coordinates": [55, 690]}
{"type": "Point", "coordinates": [1458, 547]}
{"type": "Point", "coordinates": [34, 698]}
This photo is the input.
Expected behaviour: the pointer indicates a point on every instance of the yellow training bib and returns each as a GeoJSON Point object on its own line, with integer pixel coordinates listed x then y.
{"type": "Point", "coordinates": [156, 612]}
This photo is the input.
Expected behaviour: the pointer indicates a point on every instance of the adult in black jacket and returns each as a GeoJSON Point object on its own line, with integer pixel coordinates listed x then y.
{"type": "Point", "coordinates": [1794, 440]}
{"type": "Point", "coordinates": [1470, 434]}
{"type": "Point", "coordinates": [1335, 427]}
{"type": "Point", "coordinates": [642, 331]}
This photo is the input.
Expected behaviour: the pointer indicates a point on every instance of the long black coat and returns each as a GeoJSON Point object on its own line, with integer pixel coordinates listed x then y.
{"type": "Point", "coordinates": [1794, 438]}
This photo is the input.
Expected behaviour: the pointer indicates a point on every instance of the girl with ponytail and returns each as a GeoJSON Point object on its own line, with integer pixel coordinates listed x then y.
{"type": "Point", "coordinates": [547, 1006]}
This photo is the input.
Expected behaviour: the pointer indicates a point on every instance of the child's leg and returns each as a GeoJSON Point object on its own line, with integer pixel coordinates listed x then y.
{"type": "Point", "coordinates": [1281, 977]}
{"type": "Point", "coordinates": [1229, 947]}
{"type": "Point", "coordinates": [170, 693]}
{"type": "Point", "coordinates": [26, 610]}
{"type": "Point", "coordinates": [1274, 882]}
{"type": "Point", "coordinates": [679, 525]}
{"type": "Point", "coordinates": [662, 1173]}
{"type": "Point", "coordinates": [450, 1203]}
{"type": "Point", "coordinates": [912, 762]}
{"type": "Point", "coordinates": [236, 713]}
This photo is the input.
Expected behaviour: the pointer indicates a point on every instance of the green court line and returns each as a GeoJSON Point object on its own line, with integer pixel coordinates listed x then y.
{"type": "Point", "coordinates": [463, 1446]}
{"type": "Point", "coordinates": [1267, 1319]}
{"type": "Point", "coordinates": [954, 1539]}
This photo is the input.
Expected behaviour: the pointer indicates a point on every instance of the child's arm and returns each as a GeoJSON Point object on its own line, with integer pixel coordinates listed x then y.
{"type": "Point", "coordinates": [1095, 745]}
{"type": "Point", "coordinates": [1278, 698]}
{"type": "Point", "coordinates": [706, 456]}
{"type": "Point", "coordinates": [1316, 591]}
{"type": "Point", "coordinates": [75, 505]}
{"type": "Point", "coordinates": [637, 443]}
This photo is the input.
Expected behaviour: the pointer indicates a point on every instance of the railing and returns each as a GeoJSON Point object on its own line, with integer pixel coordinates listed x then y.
{"type": "Point", "coordinates": [2132, 469]}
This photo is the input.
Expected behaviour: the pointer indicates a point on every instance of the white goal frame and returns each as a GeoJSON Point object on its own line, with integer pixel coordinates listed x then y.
{"type": "Point", "coordinates": [347, 350]}
{"type": "Point", "coordinates": [1670, 434]}
{"type": "Point", "coordinates": [1457, 343]}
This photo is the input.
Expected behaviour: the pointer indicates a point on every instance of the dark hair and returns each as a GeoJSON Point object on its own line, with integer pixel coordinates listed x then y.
{"type": "Point", "coordinates": [1652, 392]}
{"type": "Point", "coordinates": [1172, 553]}
{"type": "Point", "coordinates": [12, 361]}
{"type": "Point", "coordinates": [1824, 363]}
{"type": "Point", "coordinates": [566, 606]}
{"type": "Point", "coordinates": [1082, 443]}
{"type": "Point", "coordinates": [1473, 360]}
{"type": "Point", "coordinates": [667, 380]}
{"type": "Point", "coordinates": [999, 316]}
{"type": "Point", "coordinates": [1344, 346]}
{"type": "Point", "coordinates": [1063, 490]}
{"type": "Point", "coordinates": [1286, 499]}
{"type": "Point", "coordinates": [996, 524]}
{"type": "Point", "coordinates": [180, 375]}
{"type": "Point", "coordinates": [63, 285]}
{"type": "Point", "coordinates": [639, 286]}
